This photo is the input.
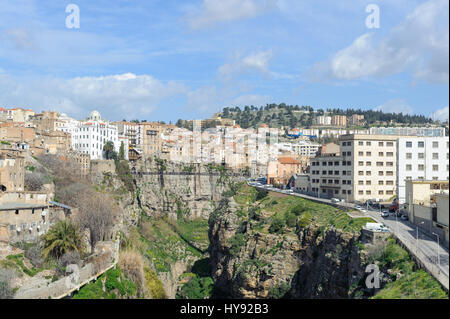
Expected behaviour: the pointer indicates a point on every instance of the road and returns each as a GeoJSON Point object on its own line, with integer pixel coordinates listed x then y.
{"type": "Point", "coordinates": [419, 243]}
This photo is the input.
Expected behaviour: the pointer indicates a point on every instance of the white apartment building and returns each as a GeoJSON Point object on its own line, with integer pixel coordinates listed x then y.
{"type": "Point", "coordinates": [91, 135]}
{"type": "Point", "coordinates": [421, 158]}
{"type": "Point", "coordinates": [323, 120]}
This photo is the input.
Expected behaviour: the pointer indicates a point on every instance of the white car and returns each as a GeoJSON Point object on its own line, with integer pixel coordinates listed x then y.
{"type": "Point", "coordinates": [358, 207]}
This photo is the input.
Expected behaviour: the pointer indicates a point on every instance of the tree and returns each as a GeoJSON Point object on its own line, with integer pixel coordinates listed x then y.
{"type": "Point", "coordinates": [110, 153]}
{"type": "Point", "coordinates": [122, 151]}
{"type": "Point", "coordinates": [33, 181]}
{"type": "Point", "coordinates": [61, 238]}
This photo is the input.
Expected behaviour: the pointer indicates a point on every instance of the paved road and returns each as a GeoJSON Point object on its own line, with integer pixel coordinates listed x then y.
{"type": "Point", "coordinates": [423, 246]}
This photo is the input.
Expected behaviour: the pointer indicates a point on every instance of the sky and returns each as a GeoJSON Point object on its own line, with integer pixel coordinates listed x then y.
{"type": "Point", "coordinates": [161, 60]}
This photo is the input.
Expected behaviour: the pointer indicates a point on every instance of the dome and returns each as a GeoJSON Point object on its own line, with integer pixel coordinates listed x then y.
{"type": "Point", "coordinates": [95, 116]}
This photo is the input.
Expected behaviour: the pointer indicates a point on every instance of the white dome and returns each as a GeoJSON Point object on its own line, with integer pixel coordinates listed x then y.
{"type": "Point", "coordinates": [95, 116]}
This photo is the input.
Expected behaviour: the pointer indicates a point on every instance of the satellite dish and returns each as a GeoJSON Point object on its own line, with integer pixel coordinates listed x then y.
{"type": "Point", "coordinates": [30, 229]}
{"type": "Point", "coordinates": [19, 229]}
{"type": "Point", "coordinates": [44, 213]}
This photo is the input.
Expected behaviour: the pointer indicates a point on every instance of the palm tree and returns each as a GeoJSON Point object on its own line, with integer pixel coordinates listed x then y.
{"type": "Point", "coordinates": [61, 238]}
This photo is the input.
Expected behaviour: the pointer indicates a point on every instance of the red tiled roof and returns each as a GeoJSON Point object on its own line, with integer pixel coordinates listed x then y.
{"type": "Point", "coordinates": [288, 160]}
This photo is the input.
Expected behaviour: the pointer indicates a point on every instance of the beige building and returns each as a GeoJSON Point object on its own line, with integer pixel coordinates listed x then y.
{"type": "Point", "coordinates": [339, 120]}
{"type": "Point", "coordinates": [20, 115]}
{"type": "Point", "coordinates": [363, 169]}
{"type": "Point", "coordinates": [151, 138]}
{"type": "Point", "coordinates": [14, 132]}
{"type": "Point", "coordinates": [12, 172]}
{"type": "Point", "coordinates": [420, 192]}
{"type": "Point", "coordinates": [281, 171]}
{"type": "Point", "coordinates": [55, 142]}
{"type": "Point", "coordinates": [356, 119]}
{"type": "Point", "coordinates": [47, 121]}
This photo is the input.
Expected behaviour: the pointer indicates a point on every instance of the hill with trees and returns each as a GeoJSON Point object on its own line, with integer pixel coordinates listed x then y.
{"type": "Point", "coordinates": [277, 115]}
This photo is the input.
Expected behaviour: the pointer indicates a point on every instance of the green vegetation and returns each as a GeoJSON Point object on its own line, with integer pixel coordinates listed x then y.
{"type": "Point", "coordinates": [124, 173]}
{"type": "Point", "coordinates": [199, 284]}
{"type": "Point", "coordinates": [61, 238]}
{"type": "Point", "coordinates": [116, 286]}
{"type": "Point", "coordinates": [154, 285]}
{"type": "Point", "coordinates": [413, 284]}
{"type": "Point", "coordinates": [279, 291]}
{"type": "Point", "coordinates": [17, 262]}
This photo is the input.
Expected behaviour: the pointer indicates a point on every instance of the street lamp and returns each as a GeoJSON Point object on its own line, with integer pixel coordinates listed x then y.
{"type": "Point", "coordinates": [439, 261]}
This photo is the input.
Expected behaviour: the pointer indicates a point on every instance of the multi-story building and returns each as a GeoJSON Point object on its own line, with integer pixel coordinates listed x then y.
{"type": "Point", "coordinates": [151, 138]}
{"type": "Point", "coordinates": [421, 158]}
{"type": "Point", "coordinates": [12, 172]}
{"type": "Point", "coordinates": [91, 135]}
{"type": "Point", "coordinates": [339, 120]}
{"type": "Point", "coordinates": [356, 119]}
{"type": "Point", "coordinates": [281, 171]}
{"type": "Point", "coordinates": [323, 120]}
{"type": "Point", "coordinates": [372, 161]}
{"type": "Point", "coordinates": [47, 121]}
{"type": "Point", "coordinates": [363, 169]}
{"type": "Point", "coordinates": [20, 115]}
{"type": "Point", "coordinates": [14, 132]}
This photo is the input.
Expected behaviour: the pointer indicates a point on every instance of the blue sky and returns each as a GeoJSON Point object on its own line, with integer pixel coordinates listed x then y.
{"type": "Point", "coordinates": [168, 59]}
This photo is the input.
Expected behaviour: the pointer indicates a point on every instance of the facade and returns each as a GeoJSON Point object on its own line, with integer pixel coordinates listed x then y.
{"type": "Point", "coordinates": [54, 142]}
{"type": "Point", "coordinates": [20, 115]}
{"type": "Point", "coordinates": [301, 183]}
{"type": "Point", "coordinates": [151, 138]}
{"type": "Point", "coordinates": [91, 135]}
{"type": "Point", "coordinates": [281, 171]}
{"type": "Point", "coordinates": [14, 132]}
{"type": "Point", "coordinates": [12, 172]}
{"type": "Point", "coordinates": [339, 120]}
{"type": "Point", "coordinates": [323, 120]}
{"type": "Point", "coordinates": [356, 119]}
{"type": "Point", "coordinates": [330, 176]}
{"type": "Point", "coordinates": [421, 158]}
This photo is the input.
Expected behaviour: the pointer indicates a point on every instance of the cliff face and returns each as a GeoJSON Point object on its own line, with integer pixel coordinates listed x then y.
{"type": "Point", "coordinates": [176, 189]}
{"type": "Point", "coordinates": [308, 263]}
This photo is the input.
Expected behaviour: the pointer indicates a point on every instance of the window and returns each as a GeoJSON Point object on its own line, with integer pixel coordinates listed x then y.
{"type": "Point", "coordinates": [408, 155]}
{"type": "Point", "coordinates": [380, 192]}
{"type": "Point", "coordinates": [389, 182]}
{"type": "Point", "coordinates": [409, 167]}
{"type": "Point", "coordinates": [420, 155]}
{"type": "Point", "coordinates": [389, 192]}
{"type": "Point", "coordinates": [435, 144]}
{"type": "Point", "coordinates": [380, 182]}
{"type": "Point", "coordinates": [381, 154]}
{"type": "Point", "coordinates": [360, 173]}
{"type": "Point", "coordinates": [368, 192]}
{"type": "Point", "coordinates": [369, 163]}
{"type": "Point", "coordinates": [361, 163]}
{"type": "Point", "coordinates": [368, 182]}
{"type": "Point", "coordinates": [360, 182]}
{"type": "Point", "coordinates": [380, 163]}
{"type": "Point", "coordinates": [368, 173]}
{"type": "Point", "coordinates": [368, 143]}
{"type": "Point", "coordinates": [380, 144]}
{"type": "Point", "coordinates": [389, 154]}
{"type": "Point", "coordinates": [380, 173]}
{"type": "Point", "coordinates": [408, 144]}
{"type": "Point", "coordinates": [389, 143]}
{"type": "Point", "coordinates": [368, 153]}
{"type": "Point", "coordinates": [420, 167]}
{"type": "Point", "coordinates": [389, 173]}
{"type": "Point", "coordinates": [360, 143]}
{"type": "Point", "coordinates": [361, 153]}
{"type": "Point", "coordinates": [360, 192]}
{"type": "Point", "coordinates": [435, 156]}
{"type": "Point", "coordinates": [435, 168]}
{"type": "Point", "coordinates": [336, 172]}
{"type": "Point", "coordinates": [390, 164]}
{"type": "Point", "coordinates": [421, 144]}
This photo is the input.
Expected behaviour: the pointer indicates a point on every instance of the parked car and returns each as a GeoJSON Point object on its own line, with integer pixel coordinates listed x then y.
{"type": "Point", "coordinates": [384, 214]}
{"type": "Point", "coordinates": [358, 207]}
{"type": "Point", "coordinates": [404, 217]}
{"type": "Point", "coordinates": [335, 200]}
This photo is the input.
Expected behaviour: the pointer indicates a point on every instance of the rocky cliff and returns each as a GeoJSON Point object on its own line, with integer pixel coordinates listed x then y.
{"type": "Point", "coordinates": [300, 262]}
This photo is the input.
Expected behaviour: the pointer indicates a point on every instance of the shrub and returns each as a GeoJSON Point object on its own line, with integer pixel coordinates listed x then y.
{"type": "Point", "coordinates": [277, 224]}
{"type": "Point", "coordinates": [34, 254]}
{"type": "Point", "coordinates": [290, 218]}
{"type": "Point", "coordinates": [33, 181]}
{"type": "Point", "coordinates": [304, 220]}
{"type": "Point", "coordinates": [261, 194]}
{"type": "Point", "coordinates": [132, 265]}
{"type": "Point", "coordinates": [154, 285]}
{"type": "Point", "coordinates": [236, 242]}
{"type": "Point", "coordinates": [62, 238]}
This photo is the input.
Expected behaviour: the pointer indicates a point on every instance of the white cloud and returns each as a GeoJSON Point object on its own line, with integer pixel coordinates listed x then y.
{"type": "Point", "coordinates": [256, 61]}
{"type": "Point", "coordinates": [395, 106]}
{"type": "Point", "coordinates": [441, 114]}
{"type": "Point", "coordinates": [216, 11]}
{"type": "Point", "coordinates": [117, 96]}
{"type": "Point", "coordinates": [419, 44]}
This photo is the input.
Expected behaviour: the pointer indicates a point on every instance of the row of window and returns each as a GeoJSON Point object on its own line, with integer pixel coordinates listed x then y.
{"type": "Point", "coordinates": [380, 154]}
{"type": "Point", "coordinates": [380, 144]}
{"type": "Point", "coordinates": [380, 192]}
{"type": "Point", "coordinates": [380, 173]}
{"type": "Point", "coordinates": [379, 182]}
{"type": "Point", "coordinates": [421, 167]}
{"type": "Point", "coordinates": [434, 156]}
{"type": "Point", "coordinates": [421, 144]}
{"type": "Point", "coordinates": [389, 164]}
